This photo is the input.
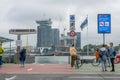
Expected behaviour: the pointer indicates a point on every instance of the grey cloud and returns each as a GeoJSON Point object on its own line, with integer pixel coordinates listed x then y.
{"type": "Point", "coordinates": [26, 12]}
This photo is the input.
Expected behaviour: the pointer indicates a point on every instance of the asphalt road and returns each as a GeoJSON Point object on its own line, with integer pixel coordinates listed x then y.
{"type": "Point", "coordinates": [60, 76]}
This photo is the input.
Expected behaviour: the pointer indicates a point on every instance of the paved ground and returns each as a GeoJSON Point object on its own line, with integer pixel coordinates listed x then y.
{"type": "Point", "coordinates": [59, 77]}
{"type": "Point", "coordinates": [37, 69]}
{"type": "Point", "coordinates": [88, 68]}
{"type": "Point", "coordinates": [54, 68]}
{"type": "Point", "coordinates": [56, 72]}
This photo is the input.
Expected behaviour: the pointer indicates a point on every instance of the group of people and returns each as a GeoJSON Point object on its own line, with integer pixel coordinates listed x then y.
{"type": "Point", "coordinates": [102, 54]}
{"type": "Point", "coordinates": [21, 58]}
{"type": "Point", "coordinates": [105, 54]}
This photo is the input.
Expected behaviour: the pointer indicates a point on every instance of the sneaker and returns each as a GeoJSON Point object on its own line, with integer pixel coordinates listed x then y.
{"type": "Point", "coordinates": [102, 70]}
{"type": "Point", "coordinates": [112, 71]}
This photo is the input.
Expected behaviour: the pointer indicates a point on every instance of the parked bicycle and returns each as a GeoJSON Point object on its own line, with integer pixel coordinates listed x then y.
{"type": "Point", "coordinates": [80, 60]}
{"type": "Point", "coordinates": [93, 61]}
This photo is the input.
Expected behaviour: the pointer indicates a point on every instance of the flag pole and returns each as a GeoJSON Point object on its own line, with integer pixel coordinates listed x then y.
{"type": "Point", "coordinates": [87, 38]}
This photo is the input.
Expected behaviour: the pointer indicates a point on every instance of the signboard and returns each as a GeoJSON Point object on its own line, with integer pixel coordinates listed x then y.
{"type": "Point", "coordinates": [72, 33]}
{"type": "Point", "coordinates": [22, 31]}
{"type": "Point", "coordinates": [104, 23]}
{"type": "Point", "coordinates": [72, 22]}
{"type": "Point", "coordinates": [18, 42]}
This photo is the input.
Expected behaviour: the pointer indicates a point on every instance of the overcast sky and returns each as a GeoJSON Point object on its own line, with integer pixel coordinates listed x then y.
{"type": "Point", "coordinates": [23, 14]}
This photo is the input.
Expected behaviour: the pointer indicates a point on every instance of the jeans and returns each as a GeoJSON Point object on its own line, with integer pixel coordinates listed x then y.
{"type": "Point", "coordinates": [108, 61]}
{"type": "Point", "coordinates": [112, 63]}
{"type": "Point", "coordinates": [0, 60]}
{"type": "Point", "coordinates": [104, 64]}
{"type": "Point", "coordinates": [22, 63]}
{"type": "Point", "coordinates": [22, 60]}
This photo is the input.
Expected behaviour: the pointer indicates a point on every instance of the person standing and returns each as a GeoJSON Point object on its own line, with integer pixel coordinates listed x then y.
{"type": "Point", "coordinates": [97, 55]}
{"type": "Point", "coordinates": [1, 53]}
{"type": "Point", "coordinates": [22, 57]}
{"type": "Point", "coordinates": [112, 56]}
{"type": "Point", "coordinates": [103, 53]}
{"type": "Point", "coordinates": [73, 54]}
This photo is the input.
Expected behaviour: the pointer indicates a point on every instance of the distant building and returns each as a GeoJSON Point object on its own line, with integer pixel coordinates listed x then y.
{"type": "Point", "coordinates": [78, 40]}
{"type": "Point", "coordinates": [68, 40]}
{"type": "Point", "coordinates": [55, 37]}
{"type": "Point", "coordinates": [46, 36]}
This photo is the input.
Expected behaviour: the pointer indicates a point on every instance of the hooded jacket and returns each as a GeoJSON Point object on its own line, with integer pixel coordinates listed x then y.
{"type": "Point", "coordinates": [103, 53]}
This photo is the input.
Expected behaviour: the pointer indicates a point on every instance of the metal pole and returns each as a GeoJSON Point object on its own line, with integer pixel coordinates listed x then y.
{"type": "Point", "coordinates": [10, 53]}
{"type": "Point", "coordinates": [18, 50]}
{"type": "Point", "coordinates": [103, 38]}
{"type": "Point", "coordinates": [87, 39]}
{"type": "Point", "coordinates": [27, 45]}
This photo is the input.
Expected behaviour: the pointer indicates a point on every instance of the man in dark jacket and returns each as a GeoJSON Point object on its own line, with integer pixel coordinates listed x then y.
{"type": "Point", "coordinates": [22, 57]}
{"type": "Point", "coordinates": [112, 56]}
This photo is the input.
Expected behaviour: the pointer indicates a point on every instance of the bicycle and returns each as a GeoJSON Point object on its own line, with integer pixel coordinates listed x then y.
{"type": "Point", "coordinates": [79, 62]}
{"type": "Point", "coordinates": [94, 62]}
{"type": "Point", "coordinates": [97, 62]}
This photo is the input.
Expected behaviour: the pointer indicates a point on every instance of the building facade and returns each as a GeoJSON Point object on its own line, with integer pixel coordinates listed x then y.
{"type": "Point", "coordinates": [68, 40]}
{"type": "Point", "coordinates": [44, 33]}
{"type": "Point", "coordinates": [55, 37]}
{"type": "Point", "coordinates": [46, 36]}
{"type": "Point", "coordinates": [78, 40]}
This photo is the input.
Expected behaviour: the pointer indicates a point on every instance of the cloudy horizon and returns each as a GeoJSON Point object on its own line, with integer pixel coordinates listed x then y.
{"type": "Point", "coordinates": [15, 14]}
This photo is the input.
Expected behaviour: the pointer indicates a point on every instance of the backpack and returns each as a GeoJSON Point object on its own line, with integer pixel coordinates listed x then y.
{"type": "Point", "coordinates": [103, 55]}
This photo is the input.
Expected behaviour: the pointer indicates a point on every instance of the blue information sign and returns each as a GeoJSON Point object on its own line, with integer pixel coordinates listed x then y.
{"type": "Point", "coordinates": [104, 23]}
{"type": "Point", "coordinates": [72, 22]}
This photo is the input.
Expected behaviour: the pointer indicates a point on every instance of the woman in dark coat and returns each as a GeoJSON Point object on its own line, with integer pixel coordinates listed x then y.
{"type": "Point", "coordinates": [22, 57]}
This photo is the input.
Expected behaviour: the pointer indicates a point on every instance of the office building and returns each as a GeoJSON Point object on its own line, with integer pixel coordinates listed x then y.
{"type": "Point", "coordinates": [55, 37]}
{"type": "Point", "coordinates": [44, 33]}
{"type": "Point", "coordinates": [46, 36]}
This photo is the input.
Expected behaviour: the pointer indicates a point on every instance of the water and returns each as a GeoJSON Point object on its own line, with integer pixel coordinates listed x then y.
{"type": "Point", "coordinates": [51, 59]}
{"type": "Point", "coordinates": [57, 59]}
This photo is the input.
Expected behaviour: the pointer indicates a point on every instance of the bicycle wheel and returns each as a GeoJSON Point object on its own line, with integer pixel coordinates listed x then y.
{"type": "Point", "coordinates": [79, 63]}
{"type": "Point", "coordinates": [95, 62]}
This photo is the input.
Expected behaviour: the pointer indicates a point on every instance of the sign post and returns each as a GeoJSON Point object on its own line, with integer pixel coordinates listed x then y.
{"type": "Point", "coordinates": [104, 24]}
{"type": "Point", "coordinates": [72, 27]}
{"type": "Point", "coordinates": [20, 32]}
{"type": "Point", "coordinates": [72, 22]}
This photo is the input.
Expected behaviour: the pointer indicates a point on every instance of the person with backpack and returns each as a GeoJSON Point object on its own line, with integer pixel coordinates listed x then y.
{"type": "Point", "coordinates": [112, 54]}
{"type": "Point", "coordinates": [1, 53]}
{"type": "Point", "coordinates": [103, 53]}
{"type": "Point", "coordinates": [22, 57]}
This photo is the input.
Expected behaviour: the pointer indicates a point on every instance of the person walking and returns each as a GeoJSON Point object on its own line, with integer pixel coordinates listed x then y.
{"type": "Point", "coordinates": [73, 54]}
{"type": "Point", "coordinates": [103, 53]}
{"type": "Point", "coordinates": [112, 53]}
{"type": "Point", "coordinates": [1, 53]}
{"type": "Point", "coordinates": [22, 57]}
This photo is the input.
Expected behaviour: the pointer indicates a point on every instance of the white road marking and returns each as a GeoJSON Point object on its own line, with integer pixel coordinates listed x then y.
{"type": "Point", "coordinates": [11, 78]}
{"type": "Point", "coordinates": [42, 64]}
{"type": "Point", "coordinates": [30, 69]}
{"type": "Point", "coordinates": [95, 77]}
{"type": "Point", "coordinates": [96, 73]}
